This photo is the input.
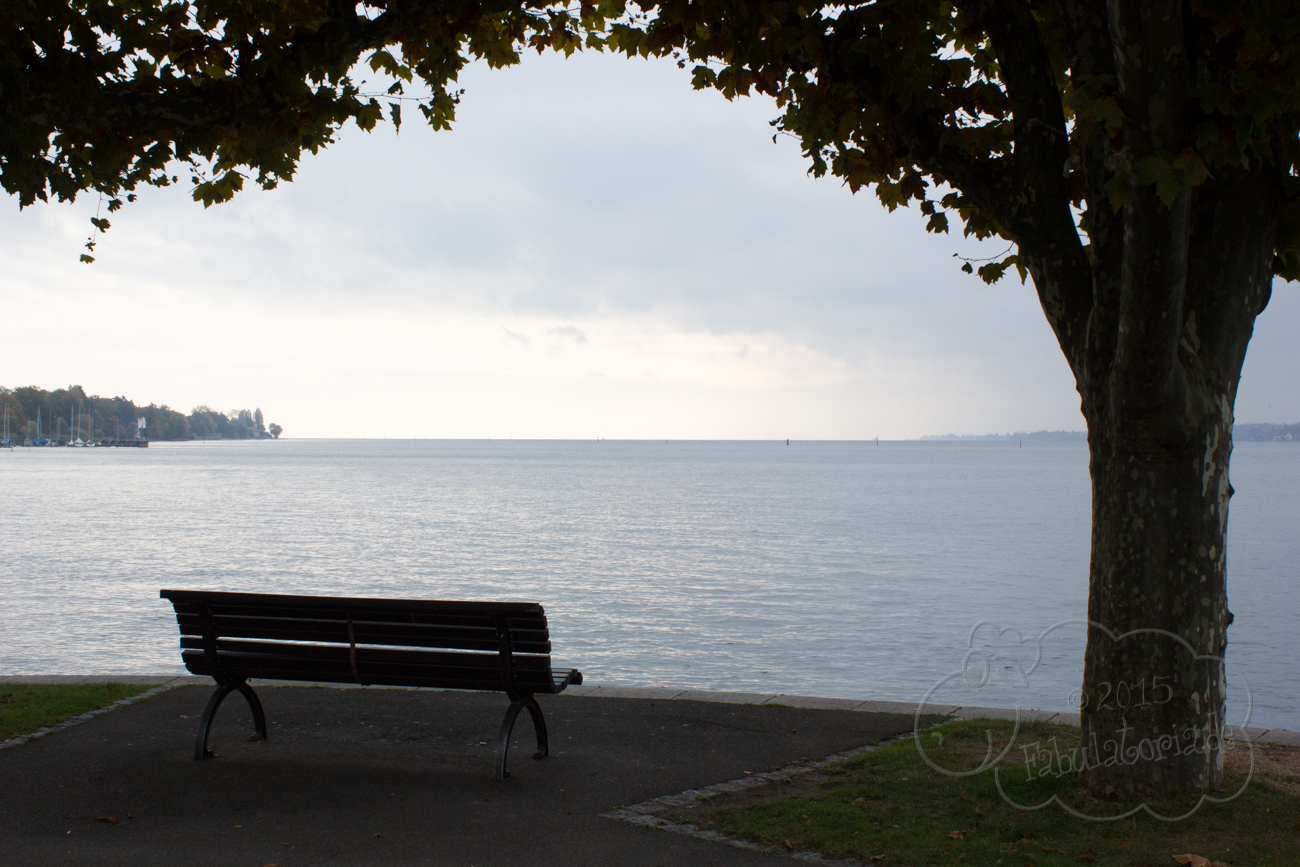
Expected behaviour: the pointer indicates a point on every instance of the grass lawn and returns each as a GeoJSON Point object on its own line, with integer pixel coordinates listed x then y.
{"type": "Point", "coordinates": [891, 803]}
{"type": "Point", "coordinates": [26, 707]}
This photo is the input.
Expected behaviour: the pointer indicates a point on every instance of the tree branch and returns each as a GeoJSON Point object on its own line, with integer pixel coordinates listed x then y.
{"type": "Point", "coordinates": [1033, 200]}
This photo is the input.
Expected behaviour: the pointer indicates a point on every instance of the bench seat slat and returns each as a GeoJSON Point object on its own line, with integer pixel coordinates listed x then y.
{"type": "Point", "coordinates": [373, 671]}
{"type": "Point", "coordinates": [253, 665]}
{"type": "Point", "coordinates": [227, 647]}
{"type": "Point", "coordinates": [335, 629]}
{"type": "Point", "coordinates": [557, 678]}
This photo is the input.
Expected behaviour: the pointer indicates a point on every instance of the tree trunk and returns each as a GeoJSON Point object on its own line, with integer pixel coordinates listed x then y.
{"type": "Point", "coordinates": [1159, 406]}
{"type": "Point", "coordinates": [1153, 676]}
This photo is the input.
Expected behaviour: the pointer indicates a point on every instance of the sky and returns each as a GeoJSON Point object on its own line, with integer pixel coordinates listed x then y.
{"type": "Point", "coordinates": [595, 250]}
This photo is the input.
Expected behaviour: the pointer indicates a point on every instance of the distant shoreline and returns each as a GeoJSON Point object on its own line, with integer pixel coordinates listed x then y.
{"type": "Point", "coordinates": [1255, 432]}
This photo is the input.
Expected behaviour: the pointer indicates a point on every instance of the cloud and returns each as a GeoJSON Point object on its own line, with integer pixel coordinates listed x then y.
{"type": "Point", "coordinates": [567, 332]}
{"type": "Point", "coordinates": [516, 338]}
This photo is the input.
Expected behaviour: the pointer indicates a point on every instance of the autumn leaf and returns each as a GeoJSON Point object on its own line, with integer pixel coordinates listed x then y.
{"type": "Point", "coordinates": [1197, 861]}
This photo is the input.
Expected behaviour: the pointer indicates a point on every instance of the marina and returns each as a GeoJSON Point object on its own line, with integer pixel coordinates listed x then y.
{"type": "Point", "coordinates": [79, 423]}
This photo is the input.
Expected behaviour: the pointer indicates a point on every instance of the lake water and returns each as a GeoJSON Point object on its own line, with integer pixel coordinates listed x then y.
{"type": "Point", "coordinates": [836, 569]}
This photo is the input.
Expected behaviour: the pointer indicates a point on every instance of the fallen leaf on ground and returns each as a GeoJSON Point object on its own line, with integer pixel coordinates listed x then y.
{"type": "Point", "coordinates": [1050, 849]}
{"type": "Point", "coordinates": [1197, 861]}
{"type": "Point", "coordinates": [111, 820]}
{"type": "Point", "coordinates": [789, 847]}
{"type": "Point", "coordinates": [958, 835]}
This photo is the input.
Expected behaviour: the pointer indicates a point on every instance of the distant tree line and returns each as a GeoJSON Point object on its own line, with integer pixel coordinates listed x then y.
{"type": "Point", "coordinates": [69, 413]}
{"type": "Point", "coordinates": [1266, 432]}
{"type": "Point", "coordinates": [1240, 433]}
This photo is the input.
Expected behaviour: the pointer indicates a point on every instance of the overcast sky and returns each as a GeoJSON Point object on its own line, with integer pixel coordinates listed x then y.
{"type": "Point", "coordinates": [594, 251]}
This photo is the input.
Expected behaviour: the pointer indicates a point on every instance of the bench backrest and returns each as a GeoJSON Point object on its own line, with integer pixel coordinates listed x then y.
{"type": "Point", "coordinates": [404, 642]}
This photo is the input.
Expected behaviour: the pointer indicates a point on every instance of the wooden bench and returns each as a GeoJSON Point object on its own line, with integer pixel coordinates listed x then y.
{"type": "Point", "coordinates": [496, 646]}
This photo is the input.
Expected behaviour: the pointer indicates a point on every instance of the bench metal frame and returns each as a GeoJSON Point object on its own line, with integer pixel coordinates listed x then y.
{"type": "Point", "coordinates": [233, 637]}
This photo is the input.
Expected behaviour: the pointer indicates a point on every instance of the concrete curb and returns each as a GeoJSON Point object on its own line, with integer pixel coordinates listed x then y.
{"type": "Point", "coordinates": [811, 702]}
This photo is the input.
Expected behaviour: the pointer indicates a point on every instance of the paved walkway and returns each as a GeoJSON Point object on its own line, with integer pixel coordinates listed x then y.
{"type": "Point", "coordinates": [401, 777]}
{"type": "Point", "coordinates": [404, 777]}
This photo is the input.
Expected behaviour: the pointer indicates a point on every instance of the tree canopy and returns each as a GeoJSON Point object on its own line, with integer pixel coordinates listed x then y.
{"type": "Point", "coordinates": [110, 95]}
{"type": "Point", "coordinates": [1000, 100]}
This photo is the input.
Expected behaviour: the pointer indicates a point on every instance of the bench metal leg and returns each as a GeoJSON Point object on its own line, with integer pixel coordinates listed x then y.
{"type": "Point", "coordinates": [201, 750]}
{"type": "Point", "coordinates": [507, 726]}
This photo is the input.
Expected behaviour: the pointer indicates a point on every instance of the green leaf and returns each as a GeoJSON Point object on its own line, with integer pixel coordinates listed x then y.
{"type": "Point", "coordinates": [1107, 111]}
{"type": "Point", "coordinates": [1116, 193]}
{"type": "Point", "coordinates": [395, 112]}
{"type": "Point", "coordinates": [381, 59]}
{"type": "Point", "coordinates": [1159, 171]}
{"type": "Point", "coordinates": [100, 223]}
{"type": "Point", "coordinates": [702, 77]}
{"type": "Point", "coordinates": [1206, 134]}
{"type": "Point", "coordinates": [1193, 168]}
{"type": "Point", "coordinates": [1168, 187]}
{"type": "Point", "coordinates": [87, 258]}
{"type": "Point", "coordinates": [991, 272]}
{"type": "Point", "coordinates": [1214, 97]}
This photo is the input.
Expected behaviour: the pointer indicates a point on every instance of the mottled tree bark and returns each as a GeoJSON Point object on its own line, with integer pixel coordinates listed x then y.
{"type": "Point", "coordinates": [1194, 277]}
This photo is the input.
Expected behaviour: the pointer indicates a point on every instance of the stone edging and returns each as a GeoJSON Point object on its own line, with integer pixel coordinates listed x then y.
{"type": "Point", "coordinates": [646, 813]}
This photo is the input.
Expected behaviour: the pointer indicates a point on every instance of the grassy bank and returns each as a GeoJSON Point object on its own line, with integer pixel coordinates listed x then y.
{"type": "Point", "coordinates": [890, 806]}
{"type": "Point", "coordinates": [26, 707]}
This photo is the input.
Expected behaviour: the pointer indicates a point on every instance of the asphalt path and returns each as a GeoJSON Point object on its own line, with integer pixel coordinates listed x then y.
{"type": "Point", "coordinates": [394, 777]}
